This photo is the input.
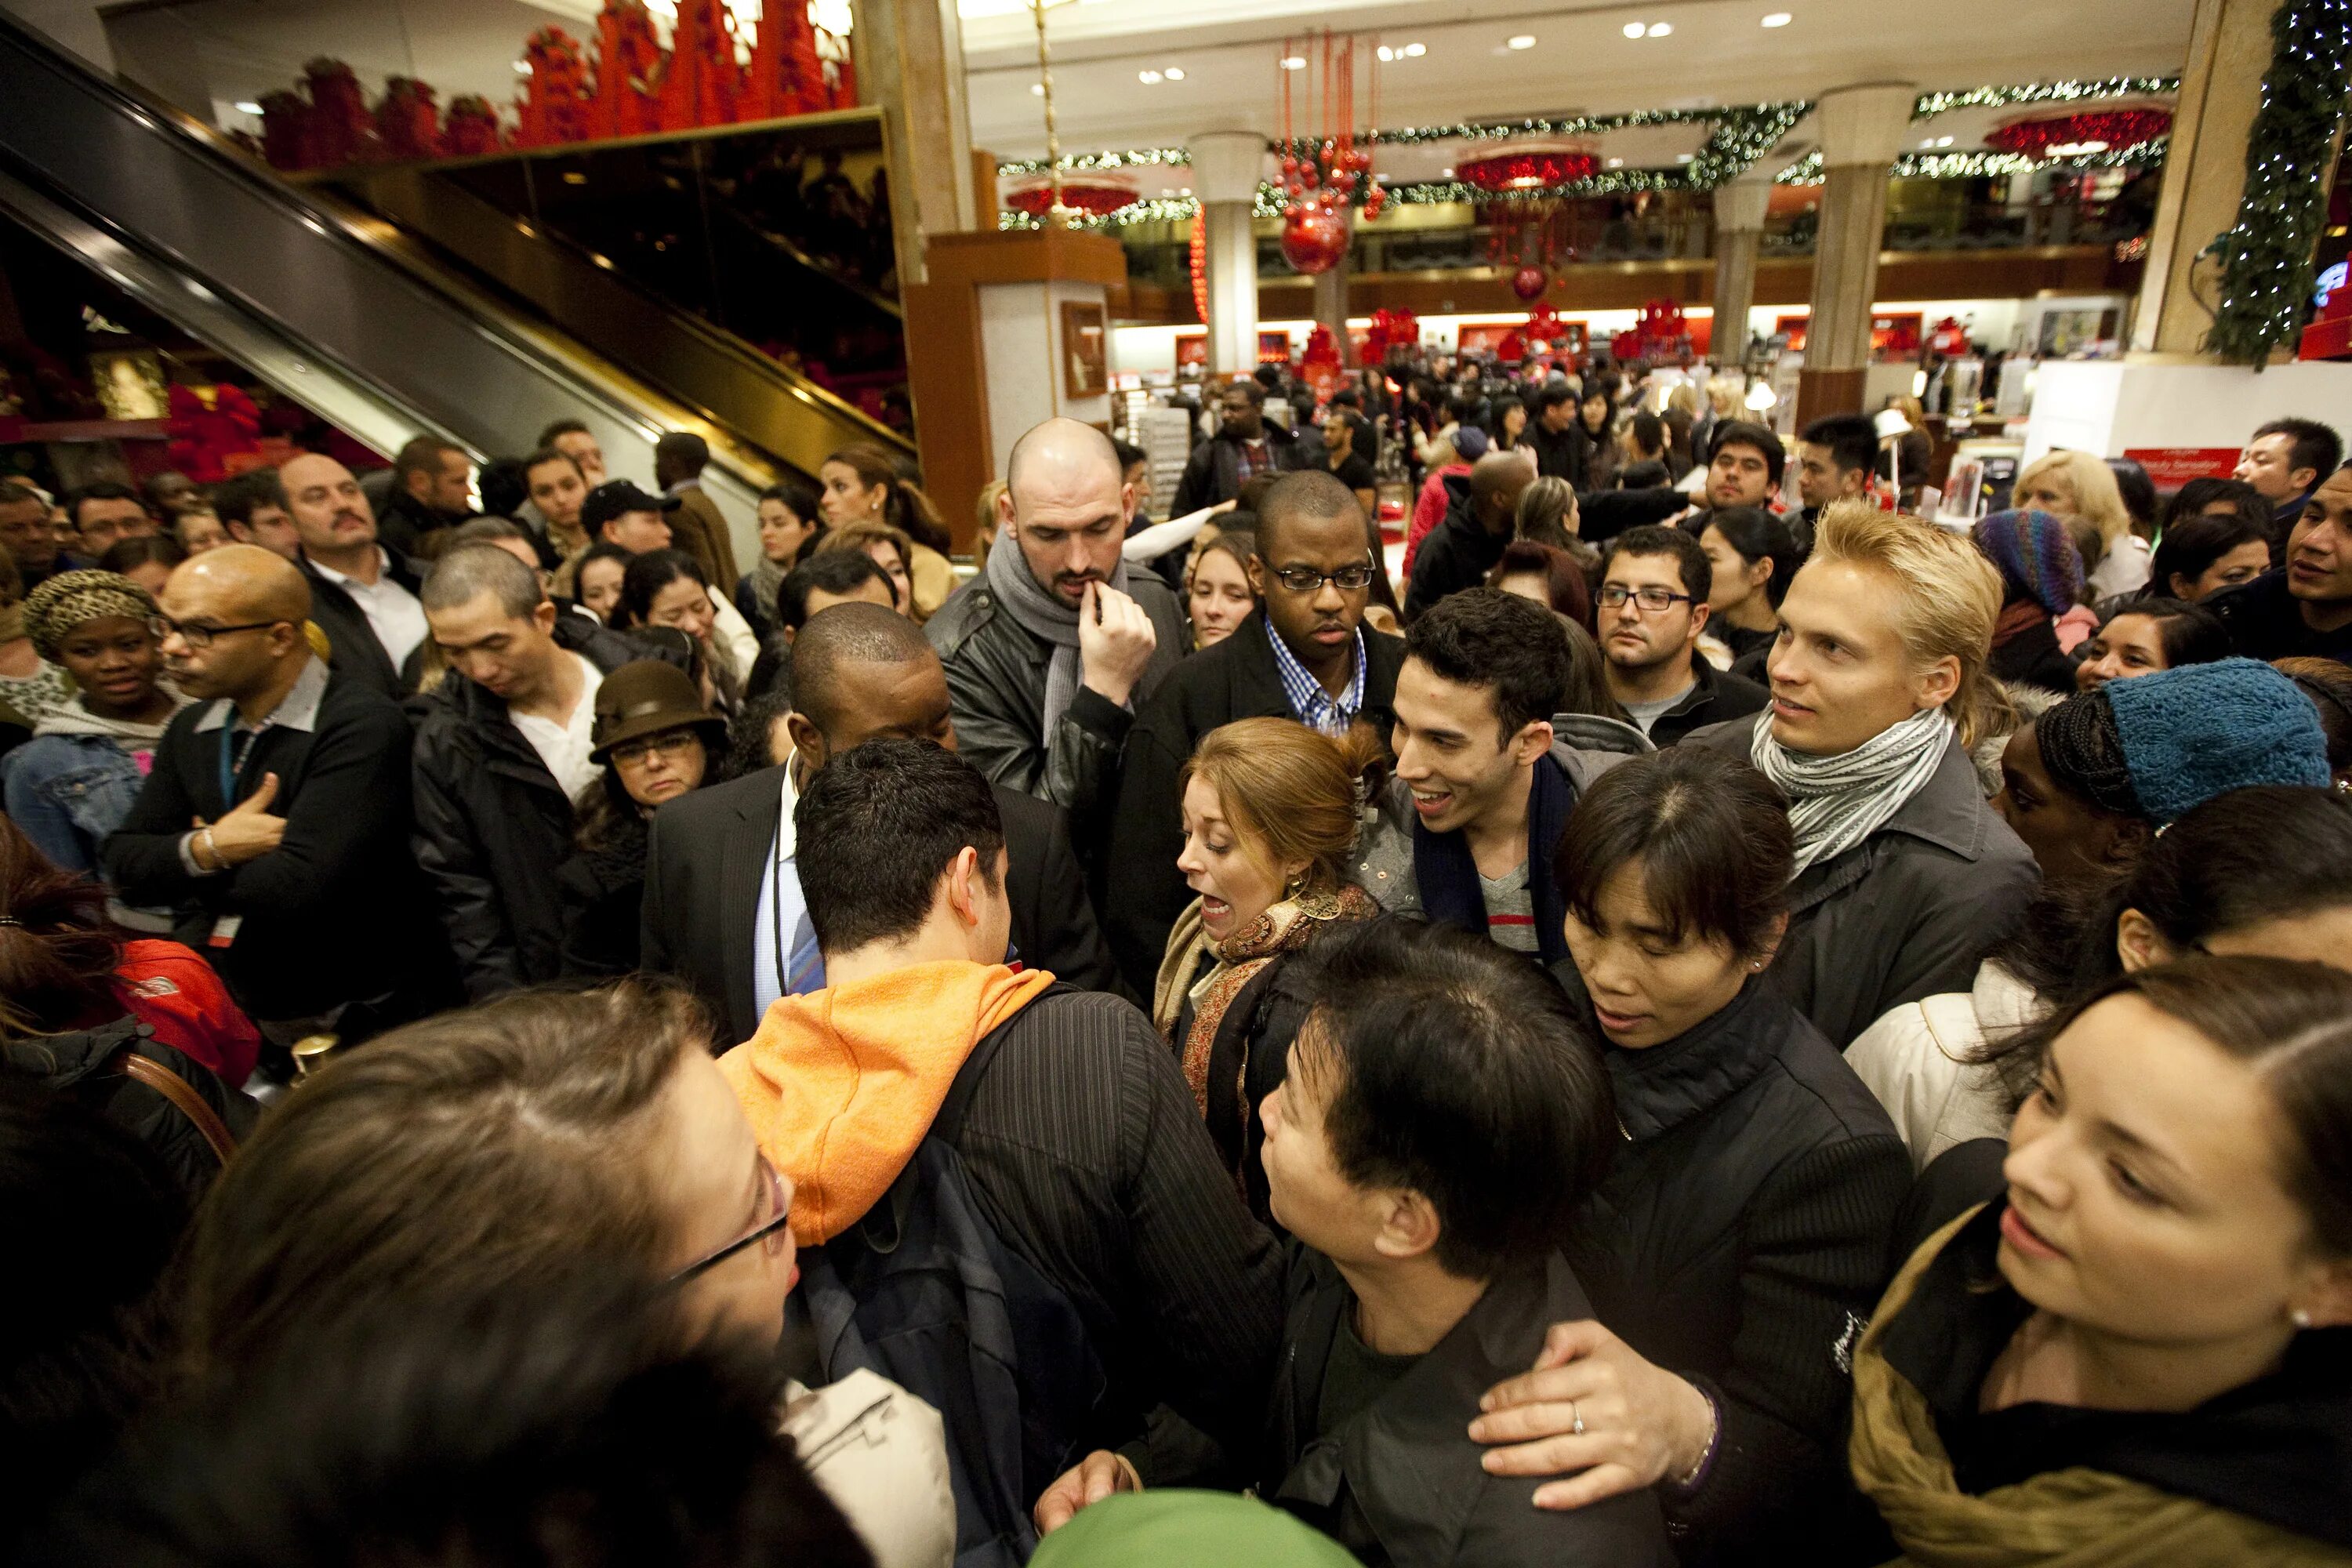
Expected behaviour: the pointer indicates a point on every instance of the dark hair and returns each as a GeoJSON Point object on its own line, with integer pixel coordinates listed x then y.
{"type": "Point", "coordinates": [2190, 634]}
{"type": "Point", "coordinates": [2190, 546]}
{"type": "Point", "coordinates": [488, 529]}
{"type": "Point", "coordinates": [1308, 493]}
{"type": "Point", "coordinates": [1851, 438]}
{"type": "Point", "coordinates": [1756, 535]}
{"type": "Point", "coordinates": [1498, 410]}
{"type": "Point", "coordinates": [847, 634]}
{"type": "Point", "coordinates": [542, 1425]}
{"type": "Point", "coordinates": [2192, 499]}
{"type": "Point", "coordinates": [421, 455]}
{"type": "Point", "coordinates": [904, 506]}
{"type": "Point", "coordinates": [1130, 454]}
{"type": "Point", "coordinates": [603, 550]}
{"type": "Point", "coordinates": [92, 1214]}
{"type": "Point", "coordinates": [2288, 1021]}
{"type": "Point", "coordinates": [547, 455]}
{"type": "Point", "coordinates": [1741, 433]}
{"type": "Point", "coordinates": [1250, 387]}
{"type": "Point", "coordinates": [59, 953]}
{"type": "Point", "coordinates": [2266, 852]}
{"type": "Point", "coordinates": [644, 579]}
{"type": "Point", "coordinates": [878, 826]}
{"type": "Point", "coordinates": [1565, 588]}
{"type": "Point", "coordinates": [2317, 447]}
{"type": "Point", "coordinates": [155, 549]}
{"type": "Point", "coordinates": [2138, 491]}
{"type": "Point", "coordinates": [489, 1149]}
{"type": "Point", "coordinates": [556, 432]}
{"type": "Point", "coordinates": [1485, 637]}
{"type": "Point", "coordinates": [750, 736]}
{"type": "Point", "coordinates": [98, 489]}
{"type": "Point", "coordinates": [1649, 474]}
{"type": "Point", "coordinates": [1552, 395]}
{"type": "Point", "coordinates": [1649, 434]}
{"type": "Point", "coordinates": [505, 486]}
{"type": "Point", "coordinates": [1457, 1069]}
{"type": "Point", "coordinates": [1656, 539]}
{"type": "Point", "coordinates": [689, 451]}
{"type": "Point", "coordinates": [2328, 683]}
{"type": "Point", "coordinates": [241, 497]}
{"type": "Point", "coordinates": [836, 571]}
{"type": "Point", "coordinates": [1712, 837]}
{"type": "Point", "coordinates": [798, 498]}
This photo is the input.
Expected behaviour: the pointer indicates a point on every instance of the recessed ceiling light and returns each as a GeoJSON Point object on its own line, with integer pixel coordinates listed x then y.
{"type": "Point", "coordinates": [1175, 73]}
{"type": "Point", "coordinates": [1037, 90]}
{"type": "Point", "coordinates": [1777, 19]}
{"type": "Point", "coordinates": [1943, 141]}
{"type": "Point", "coordinates": [1926, 141]}
{"type": "Point", "coordinates": [1185, 191]}
{"type": "Point", "coordinates": [1385, 52]}
{"type": "Point", "coordinates": [1414, 51]}
{"type": "Point", "coordinates": [1523, 41]}
{"type": "Point", "coordinates": [1293, 62]}
{"type": "Point", "coordinates": [1147, 78]}
{"type": "Point", "coordinates": [1683, 157]}
{"type": "Point", "coordinates": [248, 108]}
{"type": "Point", "coordinates": [1634, 30]}
{"type": "Point", "coordinates": [1447, 171]}
{"type": "Point", "coordinates": [1616, 162]}
{"type": "Point", "coordinates": [1661, 29]}
{"type": "Point", "coordinates": [522, 67]}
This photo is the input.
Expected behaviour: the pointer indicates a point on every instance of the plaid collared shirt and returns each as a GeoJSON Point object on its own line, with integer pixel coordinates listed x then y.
{"type": "Point", "coordinates": [1316, 707]}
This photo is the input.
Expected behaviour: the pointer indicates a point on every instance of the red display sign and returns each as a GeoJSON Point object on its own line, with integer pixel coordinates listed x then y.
{"type": "Point", "coordinates": [2169, 467]}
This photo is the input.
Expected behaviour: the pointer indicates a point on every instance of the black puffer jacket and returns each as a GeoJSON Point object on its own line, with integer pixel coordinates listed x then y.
{"type": "Point", "coordinates": [86, 1066]}
{"type": "Point", "coordinates": [493, 826]}
{"type": "Point", "coordinates": [1740, 1241]}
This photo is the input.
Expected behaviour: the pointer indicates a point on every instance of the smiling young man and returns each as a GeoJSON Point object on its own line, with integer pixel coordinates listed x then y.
{"type": "Point", "coordinates": [362, 597]}
{"type": "Point", "coordinates": [2306, 609]}
{"type": "Point", "coordinates": [1905, 877]}
{"type": "Point", "coordinates": [1304, 655]}
{"type": "Point", "coordinates": [1464, 832]}
{"type": "Point", "coordinates": [1649, 612]}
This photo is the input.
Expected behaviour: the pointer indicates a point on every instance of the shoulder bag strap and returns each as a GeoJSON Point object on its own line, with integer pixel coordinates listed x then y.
{"type": "Point", "coordinates": [180, 1093]}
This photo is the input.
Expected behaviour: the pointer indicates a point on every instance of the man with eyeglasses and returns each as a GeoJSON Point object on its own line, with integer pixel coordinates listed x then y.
{"type": "Point", "coordinates": [1304, 654]}
{"type": "Point", "coordinates": [1649, 613]}
{"type": "Point", "coordinates": [295, 877]}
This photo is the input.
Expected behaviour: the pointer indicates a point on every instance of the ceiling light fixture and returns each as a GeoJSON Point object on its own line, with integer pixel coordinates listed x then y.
{"type": "Point", "coordinates": [1414, 51]}
{"type": "Point", "coordinates": [1943, 141]}
{"type": "Point", "coordinates": [1661, 29]}
{"type": "Point", "coordinates": [1634, 30]}
{"type": "Point", "coordinates": [1616, 162]}
{"type": "Point", "coordinates": [1175, 73]}
{"type": "Point", "coordinates": [1523, 41]}
{"type": "Point", "coordinates": [1293, 62]}
{"type": "Point", "coordinates": [1683, 157]}
{"type": "Point", "coordinates": [1147, 78]}
{"type": "Point", "coordinates": [1037, 90]}
{"type": "Point", "coordinates": [1777, 19]}
{"type": "Point", "coordinates": [1385, 53]}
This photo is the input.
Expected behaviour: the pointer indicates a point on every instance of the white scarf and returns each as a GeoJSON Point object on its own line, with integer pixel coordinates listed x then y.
{"type": "Point", "coordinates": [1835, 802]}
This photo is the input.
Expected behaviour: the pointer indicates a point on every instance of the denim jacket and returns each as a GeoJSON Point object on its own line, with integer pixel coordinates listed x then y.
{"type": "Point", "coordinates": [74, 782]}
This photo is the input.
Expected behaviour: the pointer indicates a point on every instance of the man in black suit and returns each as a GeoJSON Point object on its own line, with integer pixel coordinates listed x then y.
{"type": "Point", "coordinates": [723, 908]}
{"type": "Point", "coordinates": [363, 595]}
{"type": "Point", "coordinates": [1304, 654]}
{"type": "Point", "coordinates": [296, 875]}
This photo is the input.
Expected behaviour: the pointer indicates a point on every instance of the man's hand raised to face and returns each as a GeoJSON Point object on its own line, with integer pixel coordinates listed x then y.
{"type": "Point", "coordinates": [1115, 640]}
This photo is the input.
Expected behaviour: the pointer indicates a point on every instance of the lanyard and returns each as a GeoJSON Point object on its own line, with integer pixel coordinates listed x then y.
{"type": "Point", "coordinates": [229, 777]}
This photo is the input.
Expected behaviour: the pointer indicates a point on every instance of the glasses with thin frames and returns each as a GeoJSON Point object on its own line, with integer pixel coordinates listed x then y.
{"type": "Point", "coordinates": [1650, 596]}
{"type": "Point", "coordinates": [1347, 579]}
{"type": "Point", "coordinates": [201, 637]}
{"type": "Point", "coordinates": [672, 745]}
{"type": "Point", "coordinates": [779, 1199]}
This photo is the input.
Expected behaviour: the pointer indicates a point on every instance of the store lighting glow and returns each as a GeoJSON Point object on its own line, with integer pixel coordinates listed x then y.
{"type": "Point", "coordinates": [1523, 41]}
{"type": "Point", "coordinates": [1414, 51]}
{"type": "Point", "coordinates": [248, 108]}
{"type": "Point", "coordinates": [1683, 157]}
{"type": "Point", "coordinates": [1385, 53]}
{"type": "Point", "coordinates": [2077, 149]}
{"type": "Point", "coordinates": [1777, 19]}
{"type": "Point", "coordinates": [1761, 397]}
{"type": "Point", "coordinates": [1298, 62]}
{"type": "Point", "coordinates": [1037, 90]}
{"type": "Point", "coordinates": [1943, 141]}
{"type": "Point", "coordinates": [1616, 162]}
{"type": "Point", "coordinates": [1634, 30]}
{"type": "Point", "coordinates": [1148, 78]}
{"type": "Point", "coordinates": [522, 67]}
{"type": "Point", "coordinates": [1661, 29]}
{"type": "Point", "coordinates": [1175, 73]}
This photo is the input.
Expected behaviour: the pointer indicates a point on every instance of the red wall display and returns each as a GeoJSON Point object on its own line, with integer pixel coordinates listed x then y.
{"type": "Point", "coordinates": [2169, 467]}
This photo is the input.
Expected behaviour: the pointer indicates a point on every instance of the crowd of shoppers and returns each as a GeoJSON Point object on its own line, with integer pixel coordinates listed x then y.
{"type": "Point", "coordinates": [1595, 1075]}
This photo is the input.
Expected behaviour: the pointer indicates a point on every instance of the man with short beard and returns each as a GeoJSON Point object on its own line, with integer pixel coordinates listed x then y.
{"type": "Point", "coordinates": [1050, 651]}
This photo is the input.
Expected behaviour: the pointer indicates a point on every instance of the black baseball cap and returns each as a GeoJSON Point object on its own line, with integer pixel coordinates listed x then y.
{"type": "Point", "coordinates": [615, 497]}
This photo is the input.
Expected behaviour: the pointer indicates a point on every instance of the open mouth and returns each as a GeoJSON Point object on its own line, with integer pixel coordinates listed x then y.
{"type": "Point", "coordinates": [2024, 1237]}
{"type": "Point", "coordinates": [1432, 803]}
{"type": "Point", "coordinates": [1618, 1023]}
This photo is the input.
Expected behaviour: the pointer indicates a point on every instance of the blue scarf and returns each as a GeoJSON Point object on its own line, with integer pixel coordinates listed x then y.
{"type": "Point", "coordinates": [1448, 877]}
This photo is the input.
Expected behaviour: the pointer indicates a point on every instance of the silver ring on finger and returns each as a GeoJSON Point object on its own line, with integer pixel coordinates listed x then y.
{"type": "Point", "coordinates": [1575, 1420]}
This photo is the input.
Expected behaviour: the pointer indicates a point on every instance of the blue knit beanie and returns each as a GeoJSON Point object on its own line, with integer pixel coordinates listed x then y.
{"type": "Point", "coordinates": [2036, 557]}
{"type": "Point", "coordinates": [2203, 729]}
{"type": "Point", "coordinates": [1470, 443]}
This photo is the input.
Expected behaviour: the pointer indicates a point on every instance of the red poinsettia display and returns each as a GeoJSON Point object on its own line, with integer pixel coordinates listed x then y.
{"type": "Point", "coordinates": [204, 431]}
{"type": "Point", "coordinates": [1092, 194]}
{"type": "Point", "coordinates": [1391, 329]}
{"type": "Point", "coordinates": [473, 128]}
{"type": "Point", "coordinates": [1527, 165]}
{"type": "Point", "coordinates": [407, 123]}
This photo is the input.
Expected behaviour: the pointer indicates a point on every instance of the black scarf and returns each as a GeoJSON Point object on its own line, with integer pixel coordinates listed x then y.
{"type": "Point", "coordinates": [1448, 876]}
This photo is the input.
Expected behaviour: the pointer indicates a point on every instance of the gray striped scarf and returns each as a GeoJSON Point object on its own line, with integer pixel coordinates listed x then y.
{"type": "Point", "coordinates": [1835, 802]}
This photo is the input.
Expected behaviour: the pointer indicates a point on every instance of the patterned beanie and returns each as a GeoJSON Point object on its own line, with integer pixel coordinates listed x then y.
{"type": "Point", "coordinates": [2203, 729]}
{"type": "Point", "coordinates": [2036, 557]}
{"type": "Point", "coordinates": [72, 599]}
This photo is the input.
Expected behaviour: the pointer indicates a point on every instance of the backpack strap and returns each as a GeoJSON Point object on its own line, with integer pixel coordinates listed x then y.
{"type": "Point", "coordinates": [949, 1119]}
{"type": "Point", "coordinates": [180, 1093]}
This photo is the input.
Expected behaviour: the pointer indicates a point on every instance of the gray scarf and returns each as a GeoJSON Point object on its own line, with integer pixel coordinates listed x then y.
{"type": "Point", "coordinates": [1835, 802]}
{"type": "Point", "coordinates": [1046, 617]}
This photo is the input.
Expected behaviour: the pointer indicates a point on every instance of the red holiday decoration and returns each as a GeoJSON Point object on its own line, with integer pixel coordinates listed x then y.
{"type": "Point", "coordinates": [341, 130]}
{"type": "Point", "coordinates": [1529, 282]}
{"type": "Point", "coordinates": [1093, 194]}
{"type": "Point", "coordinates": [1314, 238]}
{"type": "Point", "coordinates": [701, 79]}
{"type": "Point", "coordinates": [1527, 165]}
{"type": "Point", "coordinates": [405, 121]}
{"type": "Point", "coordinates": [2080, 133]}
{"type": "Point", "coordinates": [1950, 339]}
{"type": "Point", "coordinates": [787, 75]}
{"type": "Point", "coordinates": [473, 127]}
{"type": "Point", "coordinates": [1199, 261]}
{"type": "Point", "coordinates": [208, 426]}
{"type": "Point", "coordinates": [628, 59]}
{"type": "Point", "coordinates": [1391, 329]}
{"type": "Point", "coordinates": [1659, 333]}
{"type": "Point", "coordinates": [552, 109]}
{"type": "Point", "coordinates": [286, 130]}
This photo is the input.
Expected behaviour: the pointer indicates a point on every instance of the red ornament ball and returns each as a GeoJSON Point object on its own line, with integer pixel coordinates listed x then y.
{"type": "Point", "coordinates": [1313, 241]}
{"type": "Point", "coordinates": [1530, 281]}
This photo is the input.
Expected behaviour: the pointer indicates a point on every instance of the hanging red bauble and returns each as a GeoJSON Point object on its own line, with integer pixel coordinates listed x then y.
{"type": "Point", "coordinates": [2081, 134]}
{"type": "Point", "coordinates": [1314, 238]}
{"type": "Point", "coordinates": [1529, 282]}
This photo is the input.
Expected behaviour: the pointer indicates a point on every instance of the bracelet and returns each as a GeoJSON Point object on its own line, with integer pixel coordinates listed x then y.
{"type": "Point", "coordinates": [202, 849]}
{"type": "Point", "coordinates": [1689, 1483]}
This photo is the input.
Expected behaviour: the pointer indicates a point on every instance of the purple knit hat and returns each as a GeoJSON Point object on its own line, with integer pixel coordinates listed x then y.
{"type": "Point", "coordinates": [2036, 558]}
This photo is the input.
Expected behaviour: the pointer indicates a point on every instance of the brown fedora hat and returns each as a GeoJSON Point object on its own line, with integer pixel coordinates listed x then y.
{"type": "Point", "coordinates": [646, 698]}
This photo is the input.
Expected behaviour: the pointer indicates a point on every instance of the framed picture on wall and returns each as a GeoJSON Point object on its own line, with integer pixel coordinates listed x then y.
{"type": "Point", "coordinates": [1086, 349]}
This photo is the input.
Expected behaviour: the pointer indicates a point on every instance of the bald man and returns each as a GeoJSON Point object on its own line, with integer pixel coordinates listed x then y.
{"type": "Point", "coordinates": [722, 894]}
{"type": "Point", "coordinates": [296, 875]}
{"type": "Point", "coordinates": [1049, 652]}
{"type": "Point", "coordinates": [362, 595]}
{"type": "Point", "coordinates": [1461, 551]}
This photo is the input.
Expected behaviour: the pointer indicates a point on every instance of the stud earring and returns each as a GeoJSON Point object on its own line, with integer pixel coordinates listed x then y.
{"type": "Point", "coordinates": [2299, 1318]}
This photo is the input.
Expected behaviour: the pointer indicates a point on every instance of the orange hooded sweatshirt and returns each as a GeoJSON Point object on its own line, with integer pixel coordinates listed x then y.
{"type": "Point", "coordinates": [841, 1084]}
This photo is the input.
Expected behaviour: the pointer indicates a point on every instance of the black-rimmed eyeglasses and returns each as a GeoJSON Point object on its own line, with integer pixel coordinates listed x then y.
{"type": "Point", "coordinates": [201, 637]}
{"type": "Point", "coordinates": [779, 1199]}
{"type": "Point", "coordinates": [1650, 597]}
{"type": "Point", "coordinates": [1306, 580]}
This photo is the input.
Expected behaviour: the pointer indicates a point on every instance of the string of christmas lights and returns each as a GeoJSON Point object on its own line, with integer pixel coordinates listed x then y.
{"type": "Point", "coordinates": [1740, 138]}
{"type": "Point", "coordinates": [2266, 257]}
{"type": "Point", "coordinates": [1931, 105]}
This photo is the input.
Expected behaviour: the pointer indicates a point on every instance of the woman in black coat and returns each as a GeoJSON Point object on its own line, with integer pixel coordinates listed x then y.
{"type": "Point", "coordinates": [1734, 1249]}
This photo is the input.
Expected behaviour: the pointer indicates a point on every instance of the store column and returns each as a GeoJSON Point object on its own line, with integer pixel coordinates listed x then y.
{"type": "Point", "coordinates": [2204, 168]}
{"type": "Point", "coordinates": [909, 58]}
{"type": "Point", "coordinates": [1739, 225]}
{"type": "Point", "coordinates": [1860, 129]}
{"type": "Point", "coordinates": [1226, 168]}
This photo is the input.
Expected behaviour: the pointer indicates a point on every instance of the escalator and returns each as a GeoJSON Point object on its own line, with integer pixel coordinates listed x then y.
{"type": "Point", "coordinates": [341, 310]}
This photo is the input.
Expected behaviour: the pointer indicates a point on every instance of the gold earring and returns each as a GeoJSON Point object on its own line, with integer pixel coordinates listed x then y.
{"type": "Point", "coordinates": [2299, 1318]}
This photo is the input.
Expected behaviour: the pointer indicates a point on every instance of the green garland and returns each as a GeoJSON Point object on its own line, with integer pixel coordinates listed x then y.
{"type": "Point", "coordinates": [1740, 138]}
{"type": "Point", "coordinates": [2266, 256]}
{"type": "Point", "coordinates": [1931, 105]}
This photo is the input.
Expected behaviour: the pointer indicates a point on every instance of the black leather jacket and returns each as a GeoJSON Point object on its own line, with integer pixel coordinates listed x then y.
{"type": "Point", "coordinates": [996, 684]}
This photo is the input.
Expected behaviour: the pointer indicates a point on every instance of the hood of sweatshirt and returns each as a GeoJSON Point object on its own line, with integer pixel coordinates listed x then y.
{"type": "Point", "coordinates": [73, 719]}
{"type": "Point", "coordinates": [842, 1085]}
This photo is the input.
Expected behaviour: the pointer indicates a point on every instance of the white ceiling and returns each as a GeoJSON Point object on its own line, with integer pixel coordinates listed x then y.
{"type": "Point", "coordinates": [1717, 54]}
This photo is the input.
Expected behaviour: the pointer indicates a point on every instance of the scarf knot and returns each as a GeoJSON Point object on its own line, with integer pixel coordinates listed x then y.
{"type": "Point", "coordinates": [1836, 801]}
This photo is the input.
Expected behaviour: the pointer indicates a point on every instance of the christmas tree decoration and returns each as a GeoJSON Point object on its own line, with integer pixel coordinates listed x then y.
{"type": "Point", "coordinates": [1931, 105]}
{"type": "Point", "coordinates": [2267, 256]}
{"type": "Point", "coordinates": [1529, 282]}
{"type": "Point", "coordinates": [1740, 139]}
{"type": "Point", "coordinates": [1398, 329]}
{"type": "Point", "coordinates": [1322, 180]}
